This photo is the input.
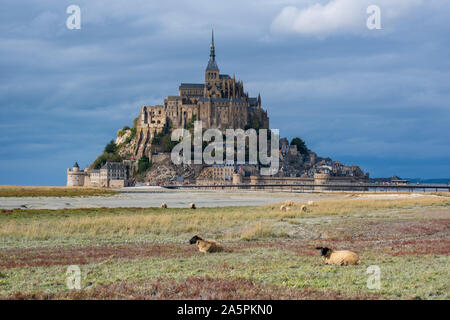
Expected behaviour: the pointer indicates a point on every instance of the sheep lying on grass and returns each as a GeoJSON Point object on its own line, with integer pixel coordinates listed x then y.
{"type": "Point", "coordinates": [284, 208]}
{"type": "Point", "coordinates": [164, 205]}
{"type": "Point", "coordinates": [303, 208]}
{"type": "Point", "coordinates": [311, 203]}
{"type": "Point", "coordinates": [339, 257]}
{"type": "Point", "coordinates": [192, 206]}
{"type": "Point", "coordinates": [206, 245]}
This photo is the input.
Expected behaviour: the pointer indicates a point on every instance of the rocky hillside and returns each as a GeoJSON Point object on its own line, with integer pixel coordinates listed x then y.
{"type": "Point", "coordinates": [163, 171]}
{"type": "Point", "coordinates": [122, 148]}
{"type": "Point", "coordinates": [126, 143]}
{"type": "Point", "coordinates": [160, 170]}
{"type": "Point", "coordinates": [295, 160]}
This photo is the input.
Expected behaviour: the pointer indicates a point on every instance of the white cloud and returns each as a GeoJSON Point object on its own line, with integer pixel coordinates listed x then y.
{"type": "Point", "coordinates": [337, 16]}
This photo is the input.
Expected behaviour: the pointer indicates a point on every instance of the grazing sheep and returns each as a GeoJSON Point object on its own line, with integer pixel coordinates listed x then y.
{"type": "Point", "coordinates": [339, 257]}
{"type": "Point", "coordinates": [303, 208]}
{"type": "Point", "coordinates": [164, 205]}
{"type": "Point", "coordinates": [311, 203]}
{"type": "Point", "coordinates": [289, 203]}
{"type": "Point", "coordinates": [206, 245]}
{"type": "Point", "coordinates": [192, 206]}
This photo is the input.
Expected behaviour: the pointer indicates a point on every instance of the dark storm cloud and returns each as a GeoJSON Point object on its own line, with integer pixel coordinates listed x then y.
{"type": "Point", "coordinates": [375, 98]}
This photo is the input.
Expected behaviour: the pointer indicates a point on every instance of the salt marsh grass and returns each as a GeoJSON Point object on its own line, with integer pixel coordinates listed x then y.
{"type": "Point", "coordinates": [142, 253]}
{"type": "Point", "coordinates": [245, 222]}
{"type": "Point", "coordinates": [21, 191]}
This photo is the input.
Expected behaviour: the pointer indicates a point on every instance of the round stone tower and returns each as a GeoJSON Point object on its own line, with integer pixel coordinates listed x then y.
{"type": "Point", "coordinates": [321, 178]}
{"type": "Point", "coordinates": [75, 177]}
{"type": "Point", "coordinates": [237, 178]}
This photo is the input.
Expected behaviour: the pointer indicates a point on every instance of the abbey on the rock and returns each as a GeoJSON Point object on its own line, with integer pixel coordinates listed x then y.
{"type": "Point", "coordinates": [219, 103]}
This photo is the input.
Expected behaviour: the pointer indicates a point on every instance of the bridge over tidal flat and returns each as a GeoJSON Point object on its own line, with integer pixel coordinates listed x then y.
{"type": "Point", "coordinates": [323, 187]}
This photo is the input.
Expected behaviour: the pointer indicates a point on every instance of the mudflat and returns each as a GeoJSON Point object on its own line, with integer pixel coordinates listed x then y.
{"type": "Point", "coordinates": [153, 197]}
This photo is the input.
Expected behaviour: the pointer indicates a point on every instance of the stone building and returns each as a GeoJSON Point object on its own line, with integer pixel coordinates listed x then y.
{"type": "Point", "coordinates": [217, 173]}
{"type": "Point", "coordinates": [226, 173]}
{"type": "Point", "coordinates": [220, 102]}
{"type": "Point", "coordinates": [75, 176]}
{"type": "Point", "coordinates": [110, 175]}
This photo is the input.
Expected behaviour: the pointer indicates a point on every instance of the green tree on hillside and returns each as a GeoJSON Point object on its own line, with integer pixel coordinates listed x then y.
{"type": "Point", "coordinates": [144, 164]}
{"type": "Point", "coordinates": [103, 158]}
{"type": "Point", "coordinates": [190, 124]}
{"type": "Point", "coordinates": [111, 147]}
{"type": "Point", "coordinates": [301, 145]}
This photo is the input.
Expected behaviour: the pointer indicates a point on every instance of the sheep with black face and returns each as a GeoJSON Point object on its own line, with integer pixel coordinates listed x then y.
{"type": "Point", "coordinates": [206, 245]}
{"type": "Point", "coordinates": [339, 257]}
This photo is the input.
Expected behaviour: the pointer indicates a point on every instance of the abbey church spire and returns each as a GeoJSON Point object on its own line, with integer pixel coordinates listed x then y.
{"type": "Point", "coordinates": [212, 50]}
{"type": "Point", "coordinates": [212, 65]}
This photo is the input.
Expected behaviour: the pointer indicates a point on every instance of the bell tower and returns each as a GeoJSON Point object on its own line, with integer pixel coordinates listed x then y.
{"type": "Point", "coordinates": [212, 70]}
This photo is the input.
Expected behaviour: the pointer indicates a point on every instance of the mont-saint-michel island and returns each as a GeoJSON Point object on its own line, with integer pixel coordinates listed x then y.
{"type": "Point", "coordinates": [141, 154]}
{"type": "Point", "coordinates": [224, 151]}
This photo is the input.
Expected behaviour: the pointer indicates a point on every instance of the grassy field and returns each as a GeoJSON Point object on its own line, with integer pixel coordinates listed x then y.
{"type": "Point", "coordinates": [21, 191]}
{"type": "Point", "coordinates": [136, 253]}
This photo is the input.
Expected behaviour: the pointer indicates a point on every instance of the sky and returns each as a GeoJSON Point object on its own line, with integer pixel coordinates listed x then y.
{"type": "Point", "coordinates": [377, 98]}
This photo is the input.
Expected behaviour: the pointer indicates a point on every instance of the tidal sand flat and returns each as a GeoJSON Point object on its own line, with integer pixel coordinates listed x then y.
{"type": "Point", "coordinates": [153, 197]}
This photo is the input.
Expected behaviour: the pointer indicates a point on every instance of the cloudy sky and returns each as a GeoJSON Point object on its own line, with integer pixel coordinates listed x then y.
{"type": "Point", "coordinates": [376, 98]}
